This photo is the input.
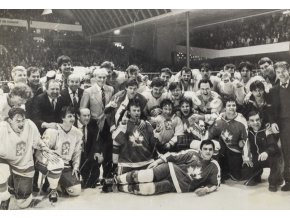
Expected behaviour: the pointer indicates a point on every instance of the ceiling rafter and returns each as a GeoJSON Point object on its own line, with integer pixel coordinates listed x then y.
{"type": "Point", "coordinates": [101, 20]}
{"type": "Point", "coordinates": [115, 14]}
{"type": "Point", "coordinates": [111, 17]}
{"type": "Point", "coordinates": [105, 19]}
{"type": "Point", "coordinates": [136, 15]}
{"type": "Point", "coordinates": [150, 13]}
{"type": "Point", "coordinates": [123, 17]}
{"type": "Point", "coordinates": [143, 15]}
{"type": "Point", "coordinates": [157, 11]}
{"type": "Point", "coordinates": [129, 14]}
{"type": "Point", "coordinates": [86, 21]}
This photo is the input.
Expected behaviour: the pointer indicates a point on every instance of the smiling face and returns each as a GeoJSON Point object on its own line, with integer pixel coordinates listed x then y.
{"type": "Point", "coordinates": [185, 108]}
{"type": "Point", "coordinates": [131, 91]}
{"type": "Point", "coordinates": [73, 83]}
{"type": "Point", "coordinates": [17, 123]}
{"type": "Point", "coordinates": [205, 89]}
{"type": "Point", "coordinates": [69, 119]}
{"type": "Point", "coordinates": [65, 68]}
{"type": "Point", "coordinates": [231, 108]}
{"type": "Point", "coordinates": [282, 74]}
{"type": "Point", "coordinates": [185, 77]}
{"type": "Point", "coordinates": [255, 122]}
{"type": "Point", "coordinates": [53, 90]}
{"type": "Point", "coordinates": [165, 76]}
{"type": "Point", "coordinates": [20, 76]}
{"type": "Point", "coordinates": [157, 91]}
{"type": "Point", "coordinates": [167, 110]}
{"type": "Point", "coordinates": [207, 151]}
{"type": "Point", "coordinates": [84, 116]}
{"type": "Point", "coordinates": [176, 93]}
{"type": "Point", "coordinates": [34, 78]}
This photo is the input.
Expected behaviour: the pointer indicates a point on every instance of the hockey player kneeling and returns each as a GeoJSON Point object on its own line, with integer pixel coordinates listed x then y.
{"type": "Point", "coordinates": [66, 143]}
{"type": "Point", "coordinates": [186, 171]}
{"type": "Point", "coordinates": [19, 136]}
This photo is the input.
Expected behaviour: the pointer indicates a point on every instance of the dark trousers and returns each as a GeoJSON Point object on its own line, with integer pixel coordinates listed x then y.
{"type": "Point", "coordinates": [273, 162]}
{"type": "Point", "coordinates": [230, 163]}
{"type": "Point", "coordinates": [105, 139]}
{"type": "Point", "coordinates": [284, 127]}
{"type": "Point", "coordinates": [90, 172]}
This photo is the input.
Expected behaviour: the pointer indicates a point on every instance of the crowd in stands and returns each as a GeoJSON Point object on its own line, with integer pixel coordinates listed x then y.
{"type": "Point", "coordinates": [245, 32]}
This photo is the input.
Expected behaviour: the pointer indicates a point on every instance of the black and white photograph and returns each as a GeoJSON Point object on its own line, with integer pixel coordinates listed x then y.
{"type": "Point", "coordinates": [144, 109]}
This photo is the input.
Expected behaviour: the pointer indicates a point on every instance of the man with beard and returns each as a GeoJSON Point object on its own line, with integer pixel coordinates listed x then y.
{"type": "Point", "coordinates": [186, 171]}
{"type": "Point", "coordinates": [230, 129]}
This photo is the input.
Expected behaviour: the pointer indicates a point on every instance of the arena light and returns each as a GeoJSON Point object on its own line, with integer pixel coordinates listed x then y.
{"type": "Point", "coordinates": [117, 32]}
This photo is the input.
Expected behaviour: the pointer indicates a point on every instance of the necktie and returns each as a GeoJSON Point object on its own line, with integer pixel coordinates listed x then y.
{"type": "Point", "coordinates": [84, 134]}
{"type": "Point", "coordinates": [75, 102]}
{"type": "Point", "coordinates": [53, 103]}
{"type": "Point", "coordinates": [103, 96]}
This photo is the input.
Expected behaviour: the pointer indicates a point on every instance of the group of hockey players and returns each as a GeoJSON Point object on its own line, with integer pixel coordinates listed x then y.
{"type": "Point", "coordinates": [184, 132]}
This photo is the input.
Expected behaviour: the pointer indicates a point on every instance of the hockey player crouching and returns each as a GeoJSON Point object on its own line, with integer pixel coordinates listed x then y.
{"type": "Point", "coordinates": [186, 171]}
{"type": "Point", "coordinates": [66, 142]}
{"type": "Point", "coordinates": [19, 136]}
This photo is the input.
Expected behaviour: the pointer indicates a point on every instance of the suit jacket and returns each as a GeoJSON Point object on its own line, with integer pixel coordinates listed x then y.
{"type": "Point", "coordinates": [275, 104]}
{"type": "Point", "coordinates": [43, 111]}
{"type": "Point", "coordinates": [66, 99]}
{"type": "Point", "coordinates": [91, 146]}
{"type": "Point", "coordinates": [92, 99]}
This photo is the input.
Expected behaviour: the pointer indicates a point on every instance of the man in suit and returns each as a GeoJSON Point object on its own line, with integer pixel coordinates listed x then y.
{"type": "Point", "coordinates": [91, 156]}
{"type": "Point", "coordinates": [46, 114]}
{"type": "Point", "coordinates": [72, 95]}
{"type": "Point", "coordinates": [33, 77]}
{"type": "Point", "coordinates": [95, 98]}
{"type": "Point", "coordinates": [280, 115]}
{"type": "Point", "coordinates": [47, 107]}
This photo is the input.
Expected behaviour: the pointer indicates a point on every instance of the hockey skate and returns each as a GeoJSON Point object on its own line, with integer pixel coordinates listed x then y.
{"type": "Point", "coordinates": [53, 196]}
{"type": "Point", "coordinates": [110, 185]}
{"type": "Point", "coordinates": [4, 204]}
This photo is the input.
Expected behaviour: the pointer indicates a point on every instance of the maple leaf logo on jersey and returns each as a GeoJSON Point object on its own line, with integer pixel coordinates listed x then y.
{"type": "Point", "coordinates": [194, 173]}
{"type": "Point", "coordinates": [65, 148]}
{"type": "Point", "coordinates": [136, 138]}
{"type": "Point", "coordinates": [20, 148]}
{"type": "Point", "coordinates": [227, 136]}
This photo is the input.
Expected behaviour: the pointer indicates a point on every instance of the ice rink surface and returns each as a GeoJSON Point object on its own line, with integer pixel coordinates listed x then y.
{"type": "Point", "coordinates": [232, 195]}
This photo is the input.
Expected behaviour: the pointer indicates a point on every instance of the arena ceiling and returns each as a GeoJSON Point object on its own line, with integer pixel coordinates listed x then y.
{"type": "Point", "coordinates": [101, 22]}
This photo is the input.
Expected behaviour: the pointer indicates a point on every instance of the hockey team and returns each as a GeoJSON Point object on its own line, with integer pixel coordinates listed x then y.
{"type": "Point", "coordinates": [184, 132]}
